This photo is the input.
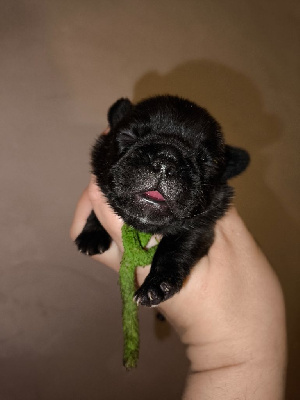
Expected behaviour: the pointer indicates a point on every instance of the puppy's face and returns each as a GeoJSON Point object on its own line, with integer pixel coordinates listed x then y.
{"type": "Point", "coordinates": [168, 155]}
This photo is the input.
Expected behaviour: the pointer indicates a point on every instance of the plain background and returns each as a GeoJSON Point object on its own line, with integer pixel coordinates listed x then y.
{"type": "Point", "coordinates": [63, 63]}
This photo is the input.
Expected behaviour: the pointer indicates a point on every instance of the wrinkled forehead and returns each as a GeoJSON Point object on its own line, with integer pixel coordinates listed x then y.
{"type": "Point", "coordinates": [190, 136]}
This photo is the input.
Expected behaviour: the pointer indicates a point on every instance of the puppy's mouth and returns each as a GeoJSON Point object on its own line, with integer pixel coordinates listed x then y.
{"type": "Point", "coordinates": [154, 195]}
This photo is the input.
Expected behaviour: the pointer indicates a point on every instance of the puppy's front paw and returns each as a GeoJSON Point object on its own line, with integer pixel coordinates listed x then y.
{"type": "Point", "coordinates": [92, 242]}
{"type": "Point", "coordinates": [155, 290]}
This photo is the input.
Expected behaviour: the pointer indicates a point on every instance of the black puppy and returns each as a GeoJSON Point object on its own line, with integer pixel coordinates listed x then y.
{"type": "Point", "coordinates": [163, 168]}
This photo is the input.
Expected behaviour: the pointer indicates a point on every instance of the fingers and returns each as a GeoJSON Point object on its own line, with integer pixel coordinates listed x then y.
{"type": "Point", "coordinates": [141, 273]}
{"type": "Point", "coordinates": [109, 219]}
{"type": "Point", "coordinates": [111, 257]}
{"type": "Point", "coordinates": [83, 210]}
{"type": "Point", "coordinates": [93, 199]}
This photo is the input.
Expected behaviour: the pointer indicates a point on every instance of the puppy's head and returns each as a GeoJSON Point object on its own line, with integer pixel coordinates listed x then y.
{"type": "Point", "coordinates": [161, 162]}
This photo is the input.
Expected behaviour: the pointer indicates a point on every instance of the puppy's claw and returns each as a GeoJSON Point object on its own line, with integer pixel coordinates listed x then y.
{"type": "Point", "coordinates": [137, 300]}
{"type": "Point", "coordinates": [150, 295]}
{"type": "Point", "coordinates": [148, 298]}
{"type": "Point", "coordinates": [91, 243]}
{"type": "Point", "coordinates": [165, 287]}
{"type": "Point", "coordinates": [154, 291]}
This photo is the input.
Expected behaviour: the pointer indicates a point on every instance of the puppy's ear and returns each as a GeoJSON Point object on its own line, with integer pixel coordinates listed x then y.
{"type": "Point", "coordinates": [118, 111]}
{"type": "Point", "coordinates": [236, 160]}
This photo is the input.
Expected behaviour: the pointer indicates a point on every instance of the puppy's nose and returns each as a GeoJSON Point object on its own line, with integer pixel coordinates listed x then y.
{"type": "Point", "coordinates": [164, 167]}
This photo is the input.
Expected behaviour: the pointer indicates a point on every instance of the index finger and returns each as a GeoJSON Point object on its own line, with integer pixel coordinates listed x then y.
{"type": "Point", "coordinates": [111, 257]}
{"type": "Point", "coordinates": [83, 210]}
{"type": "Point", "coordinates": [105, 214]}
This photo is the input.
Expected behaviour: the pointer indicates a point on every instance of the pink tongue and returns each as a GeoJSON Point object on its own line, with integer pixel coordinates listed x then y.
{"type": "Point", "coordinates": [155, 195]}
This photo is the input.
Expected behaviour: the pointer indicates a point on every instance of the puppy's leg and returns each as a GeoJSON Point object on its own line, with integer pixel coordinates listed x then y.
{"type": "Point", "coordinates": [93, 239]}
{"type": "Point", "coordinates": [172, 262]}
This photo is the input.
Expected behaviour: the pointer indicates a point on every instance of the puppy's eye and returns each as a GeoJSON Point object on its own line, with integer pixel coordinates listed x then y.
{"type": "Point", "coordinates": [125, 139]}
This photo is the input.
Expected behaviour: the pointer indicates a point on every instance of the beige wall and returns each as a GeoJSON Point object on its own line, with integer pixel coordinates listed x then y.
{"type": "Point", "coordinates": [62, 64]}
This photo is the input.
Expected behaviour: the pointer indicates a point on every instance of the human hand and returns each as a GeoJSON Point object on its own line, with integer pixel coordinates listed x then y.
{"type": "Point", "coordinates": [229, 314]}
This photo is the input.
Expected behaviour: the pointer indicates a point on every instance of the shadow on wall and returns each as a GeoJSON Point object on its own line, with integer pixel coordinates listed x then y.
{"type": "Point", "coordinates": [237, 104]}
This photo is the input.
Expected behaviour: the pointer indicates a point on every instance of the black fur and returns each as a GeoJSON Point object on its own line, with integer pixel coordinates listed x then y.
{"type": "Point", "coordinates": [172, 148]}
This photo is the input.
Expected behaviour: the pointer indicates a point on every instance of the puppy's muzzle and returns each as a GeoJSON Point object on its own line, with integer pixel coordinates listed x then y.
{"type": "Point", "coordinates": [164, 167]}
